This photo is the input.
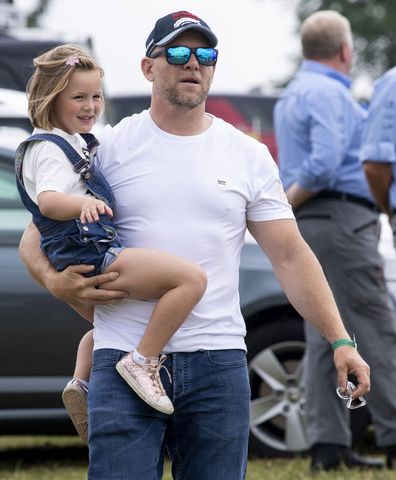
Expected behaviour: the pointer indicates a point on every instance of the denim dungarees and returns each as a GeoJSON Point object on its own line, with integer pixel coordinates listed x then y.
{"type": "Point", "coordinates": [70, 242]}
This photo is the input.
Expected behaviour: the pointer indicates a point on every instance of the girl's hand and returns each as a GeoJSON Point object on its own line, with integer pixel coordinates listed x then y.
{"type": "Point", "coordinates": [91, 210]}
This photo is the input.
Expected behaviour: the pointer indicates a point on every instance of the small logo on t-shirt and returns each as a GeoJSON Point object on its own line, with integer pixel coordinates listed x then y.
{"type": "Point", "coordinates": [223, 183]}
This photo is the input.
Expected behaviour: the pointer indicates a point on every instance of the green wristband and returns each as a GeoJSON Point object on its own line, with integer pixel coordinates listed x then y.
{"type": "Point", "coordinates": [343, 342]}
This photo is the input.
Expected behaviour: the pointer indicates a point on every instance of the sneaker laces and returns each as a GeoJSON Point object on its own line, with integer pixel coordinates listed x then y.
{"type": "Point", "coordinates": [154, 372]}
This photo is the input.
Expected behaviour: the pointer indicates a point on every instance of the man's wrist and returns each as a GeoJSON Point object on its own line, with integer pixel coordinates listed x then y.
{"type": "Point", "coordinates": [344, 342]}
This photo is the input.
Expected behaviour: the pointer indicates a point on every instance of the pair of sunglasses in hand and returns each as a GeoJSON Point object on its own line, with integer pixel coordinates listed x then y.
{"type": "Point", "coordinates": [351, 403]}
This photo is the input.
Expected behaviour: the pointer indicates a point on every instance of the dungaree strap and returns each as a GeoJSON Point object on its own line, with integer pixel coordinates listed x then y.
{"type": "Point", "coordinates": [93, 179]}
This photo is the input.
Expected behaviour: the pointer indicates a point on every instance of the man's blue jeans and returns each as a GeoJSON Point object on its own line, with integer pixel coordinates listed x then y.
{"type": "Point", "coordinates": [206, 437]}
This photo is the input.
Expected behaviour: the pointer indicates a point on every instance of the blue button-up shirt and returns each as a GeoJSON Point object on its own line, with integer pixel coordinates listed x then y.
{"type": "Point", "coordinates": [379, 137]}
{"type": "Point", "coordinates": [318, 127]}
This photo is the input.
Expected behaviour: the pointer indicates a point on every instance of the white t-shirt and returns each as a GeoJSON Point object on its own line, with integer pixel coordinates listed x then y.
{"type": "Point", "coordinates": [46, 168]}
{"type": "Point", "coordinates": [189, 196]}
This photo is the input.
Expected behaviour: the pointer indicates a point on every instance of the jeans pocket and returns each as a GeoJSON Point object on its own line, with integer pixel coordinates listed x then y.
{"type": "Point", "coordinates": [105, 358]}
{"type": "Point", "coordinates": [227, 358]}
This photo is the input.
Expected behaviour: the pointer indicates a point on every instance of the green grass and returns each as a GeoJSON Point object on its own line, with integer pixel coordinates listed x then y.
{"type": "Point", "coordinates": [64, 458]}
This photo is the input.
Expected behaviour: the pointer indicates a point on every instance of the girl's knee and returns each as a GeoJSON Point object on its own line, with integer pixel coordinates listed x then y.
{"type": "Point", "coordinates": [198, 280]}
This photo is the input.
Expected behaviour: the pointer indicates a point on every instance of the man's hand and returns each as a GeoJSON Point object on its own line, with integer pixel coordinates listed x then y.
{"type": "Point", "coordinates": [348, 361]}
{"type": "Point", "coordinates": [74, 288]}
{"type": "Point", "coordinates": [297, 195]}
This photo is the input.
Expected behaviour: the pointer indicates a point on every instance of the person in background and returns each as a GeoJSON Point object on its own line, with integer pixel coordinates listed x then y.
{"type": "Point", "coordinates": [318, 128]}
{"type": "Point", "coordinates": [189, 183]}
{"type": "Point", "coordinates": [378, 152]}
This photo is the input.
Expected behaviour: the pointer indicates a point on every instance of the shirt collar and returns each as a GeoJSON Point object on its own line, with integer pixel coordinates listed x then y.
{"type": "Point", "coordinates": [318, 67]}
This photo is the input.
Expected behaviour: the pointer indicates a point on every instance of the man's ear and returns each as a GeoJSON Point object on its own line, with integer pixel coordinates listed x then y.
{"type": "Point", "coordinates": [343, 51]}
{"type": "Point", "coordinates": [346, 52]}
{"type": "Point", "coordinates": [147, 68]}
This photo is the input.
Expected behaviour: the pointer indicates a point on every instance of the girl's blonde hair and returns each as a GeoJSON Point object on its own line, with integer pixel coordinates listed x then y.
{"type": "Point", "coordinates": [53, 71]}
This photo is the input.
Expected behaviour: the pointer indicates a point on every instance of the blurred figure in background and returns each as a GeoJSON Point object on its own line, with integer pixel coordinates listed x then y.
{"type": "Point", "coordinates": [378, 150]}
{"type": "Point", "coordinates": [318, 128]}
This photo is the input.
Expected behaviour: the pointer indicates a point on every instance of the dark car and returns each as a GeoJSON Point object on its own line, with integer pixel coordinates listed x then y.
{"type": "Point", "coordinates": [18, 46]}
{"type": "Point", "coordinates": [39, 334]}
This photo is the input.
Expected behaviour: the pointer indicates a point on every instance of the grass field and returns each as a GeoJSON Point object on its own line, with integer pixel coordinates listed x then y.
{"type": "Point", "coordinates": [65, 458]}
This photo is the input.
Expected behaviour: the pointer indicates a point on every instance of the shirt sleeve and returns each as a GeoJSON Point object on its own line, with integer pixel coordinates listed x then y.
{"type": "Point", "coordinates": [326, 140]}
{"type": "Point", "coordinates": [52, 171]}
{"type": "Point", "coordinates": [268, 201]}
{"type": "Point", "coordinates": [380, 132]}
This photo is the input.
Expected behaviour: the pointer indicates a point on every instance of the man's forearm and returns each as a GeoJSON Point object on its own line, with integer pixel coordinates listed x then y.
{"type": "Point", "coordinates": [33, 257]}
{"type": "Point", "coordinates": [307, 289]}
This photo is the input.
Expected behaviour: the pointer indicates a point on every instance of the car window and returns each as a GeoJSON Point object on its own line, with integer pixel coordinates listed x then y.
{"type": "Point", "coordinates": [13, 215]}
{"type": "Point", "coordinates": [9, 197]}
{"type": "Point", "coordinates": [17, 122]}
{"type": "Point", "coordinates": [9, 78]}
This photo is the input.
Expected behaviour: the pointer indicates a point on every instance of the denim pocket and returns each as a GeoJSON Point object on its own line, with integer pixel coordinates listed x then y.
{"type": "Point", "coordinates": [227, 358]}
{"type": "Point", "coordinates": [102, 231]}
{"type": "Point", "coordinates": [61, 253]}
{"type": "Point", "coordinates": [105, 358]}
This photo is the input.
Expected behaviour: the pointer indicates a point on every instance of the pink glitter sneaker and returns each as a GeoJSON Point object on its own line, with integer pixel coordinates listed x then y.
{"type": "Point", "coordinates": [74, 398]}
{"type": "Point", "coordinates": [145, 381]}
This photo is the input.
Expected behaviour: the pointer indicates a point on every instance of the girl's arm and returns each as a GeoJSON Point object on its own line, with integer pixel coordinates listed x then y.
{"type": "Point", "coordinates": [61, 206]}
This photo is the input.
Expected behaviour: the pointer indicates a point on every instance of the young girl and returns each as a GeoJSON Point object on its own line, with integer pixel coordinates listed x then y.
{"type": "Point", "coordinates": [72, 204]}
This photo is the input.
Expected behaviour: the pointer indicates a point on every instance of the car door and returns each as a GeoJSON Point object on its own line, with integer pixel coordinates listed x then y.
{"type": "Point", "coordinates": [38, 333]}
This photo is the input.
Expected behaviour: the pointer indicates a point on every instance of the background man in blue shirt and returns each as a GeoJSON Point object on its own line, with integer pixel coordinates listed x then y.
{"type": "Point", "coordinates": [378, 151]}
{"type": "Point", "coordinates": [318, 128]}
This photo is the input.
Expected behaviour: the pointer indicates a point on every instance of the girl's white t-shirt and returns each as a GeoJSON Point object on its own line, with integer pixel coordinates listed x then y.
{"type": "Point", "coordinates": [190, 196]}
{"type": "Point", "coordinates": [46, 168]}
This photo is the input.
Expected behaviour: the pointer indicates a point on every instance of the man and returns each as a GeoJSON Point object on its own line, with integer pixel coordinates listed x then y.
{"type": "Point", "coordinates": [189, 183]}
{"type": "Point", "coordinates": [318, 128]}
{"type": "Point", "coordinates": [378, 150]}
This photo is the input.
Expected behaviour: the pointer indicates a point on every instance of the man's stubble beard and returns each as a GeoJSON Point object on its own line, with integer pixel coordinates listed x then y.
{"type": "Point", "coordinates": [189, 102]}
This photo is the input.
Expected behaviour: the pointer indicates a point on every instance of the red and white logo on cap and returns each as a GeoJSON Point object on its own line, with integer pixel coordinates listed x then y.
{"type": "Point", "coordinates": [185, 21]}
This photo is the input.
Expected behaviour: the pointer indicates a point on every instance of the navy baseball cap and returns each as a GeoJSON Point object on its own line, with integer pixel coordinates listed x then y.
{"type": "Point", "coordinates": [169, 27]}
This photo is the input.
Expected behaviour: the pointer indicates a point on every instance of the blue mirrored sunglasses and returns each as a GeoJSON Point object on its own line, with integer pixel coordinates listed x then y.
{"type": "Point", "coordinates": [179, 55]}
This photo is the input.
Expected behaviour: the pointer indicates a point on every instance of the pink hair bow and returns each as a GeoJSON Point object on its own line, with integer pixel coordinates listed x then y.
{"type": "Point", "coordinates": [72, 60]}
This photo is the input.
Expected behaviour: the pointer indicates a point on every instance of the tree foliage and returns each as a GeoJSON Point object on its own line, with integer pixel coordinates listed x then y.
{"type": "Point", "coordinates": [373, 27]}
{"type": "Point", "coordinates": [33, 19]}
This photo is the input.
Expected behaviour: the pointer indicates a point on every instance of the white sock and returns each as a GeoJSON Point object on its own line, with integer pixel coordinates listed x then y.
{"type": "Point", "coordinates": [139, 358]}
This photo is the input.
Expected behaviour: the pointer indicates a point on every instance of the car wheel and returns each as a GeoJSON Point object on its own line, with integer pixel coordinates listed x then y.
{"type": "Point", "coordinates": [275, 361]}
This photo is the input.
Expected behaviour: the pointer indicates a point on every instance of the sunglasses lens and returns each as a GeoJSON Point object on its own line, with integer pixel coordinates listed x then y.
{"type": "Point", "coordinates": [206, 56]}
{"type": "Point", "coordinates": [181, 55]}
{"type": "Point", "coordinates": [178, 55]}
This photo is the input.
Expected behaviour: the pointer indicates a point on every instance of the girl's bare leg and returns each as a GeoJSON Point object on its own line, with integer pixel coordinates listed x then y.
{"type": "Point", "coordinates": [150, 274]}
{"type": "Point", "coordinates": [74, 395]}
{"type": "Point", "coordinates": [84, 357]}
